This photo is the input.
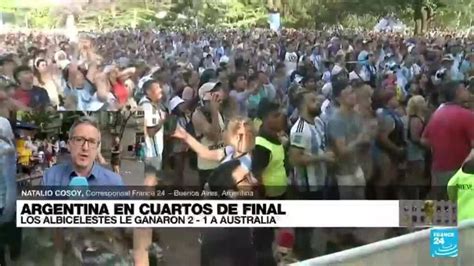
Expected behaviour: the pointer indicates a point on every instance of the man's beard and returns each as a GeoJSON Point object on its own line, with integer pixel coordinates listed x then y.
{"type": "Point", "coordinates": [314, 112]}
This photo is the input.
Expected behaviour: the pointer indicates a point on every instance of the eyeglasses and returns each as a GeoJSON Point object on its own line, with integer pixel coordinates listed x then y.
{"type": "Point", "coordinates": [80, 141]}
{"type": "Point", "coordinates": [247, 178]}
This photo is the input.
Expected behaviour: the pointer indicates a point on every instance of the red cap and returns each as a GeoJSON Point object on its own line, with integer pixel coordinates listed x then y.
{"type": "Point", "coordinates": [285, 239]}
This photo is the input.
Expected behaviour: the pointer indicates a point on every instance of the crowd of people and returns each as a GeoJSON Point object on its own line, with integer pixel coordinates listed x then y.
{"type": "Point", "coordinates": [295, 114]}
{"type": "Point", "coordinates": [36, 155]}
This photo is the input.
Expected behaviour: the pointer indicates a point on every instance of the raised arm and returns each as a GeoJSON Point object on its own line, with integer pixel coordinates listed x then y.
{"type": "Point", "coordinates": [201, 150]}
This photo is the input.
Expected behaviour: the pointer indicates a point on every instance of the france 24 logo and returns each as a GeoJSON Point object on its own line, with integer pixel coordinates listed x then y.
{"type": "Point", "coordinates": [444, 243]}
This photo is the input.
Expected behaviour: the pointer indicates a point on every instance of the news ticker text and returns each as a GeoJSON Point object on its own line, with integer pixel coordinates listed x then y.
{"type": "Point", "coordinates": [189, 192]}
{"type": "Point", "coordinates": [232, 213]}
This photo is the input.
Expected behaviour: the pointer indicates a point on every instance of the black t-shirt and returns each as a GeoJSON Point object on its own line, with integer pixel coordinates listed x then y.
{"type": "Point", "coordinates": [116, 152]}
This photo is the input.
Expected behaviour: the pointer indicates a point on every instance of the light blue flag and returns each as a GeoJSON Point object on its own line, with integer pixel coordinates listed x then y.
{"type": "Point", "coordinates": [275, 21]}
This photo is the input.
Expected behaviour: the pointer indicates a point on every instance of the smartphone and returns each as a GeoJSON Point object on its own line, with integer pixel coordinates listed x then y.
{"type": "Point", "coordinates": [170, 124]}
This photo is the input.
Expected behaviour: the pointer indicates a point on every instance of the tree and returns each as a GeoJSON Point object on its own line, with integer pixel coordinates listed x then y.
{"type": "Point", "coordinates": [40, 119]}
{"type": "Point", "coordinates": [105, 14]}
{"type": "Point", "coordinates": [120, 122]}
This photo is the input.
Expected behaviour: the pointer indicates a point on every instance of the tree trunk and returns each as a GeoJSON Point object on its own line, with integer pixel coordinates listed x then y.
{"type": "Point", "coordinates": [270, 5]}
{"type": "Point", "coordinates": [113, 9]}
{"type": "Point", "coordinates": [279, 7]}
{"type": "Point", "coordinates": [124, 125]}
{"type": "Point", "coordinates": [424, 19]}
{"type": "Point", "coordinates": [418, 16]}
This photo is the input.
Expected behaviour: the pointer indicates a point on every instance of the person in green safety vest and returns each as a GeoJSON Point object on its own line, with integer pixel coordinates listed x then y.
{"type": "Point", "coordinates": [461, 190]}
{"type": "Point", "coordinates": [268, 164]}
{"type": "Point", "coordinates": [268, 167]}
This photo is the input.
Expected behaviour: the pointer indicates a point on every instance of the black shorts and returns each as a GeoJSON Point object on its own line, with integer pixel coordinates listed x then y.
{"type": "Point", "coordinates": [115, 161]}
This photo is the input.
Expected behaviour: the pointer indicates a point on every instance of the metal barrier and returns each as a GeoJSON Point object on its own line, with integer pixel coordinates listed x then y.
{"type": "Point", "coordinates": [409, 249]}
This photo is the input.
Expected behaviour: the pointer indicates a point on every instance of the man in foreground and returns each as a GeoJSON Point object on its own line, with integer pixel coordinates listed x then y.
{"type": "Point", "coordinates": [450, 134]}
{"type": "Point", "coordinates": [84, 147]}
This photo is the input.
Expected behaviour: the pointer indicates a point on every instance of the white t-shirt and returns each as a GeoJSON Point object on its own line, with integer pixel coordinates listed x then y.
{"type": "Point", "coordinates": [62, 144]}
{"type": "Point", "coordinates": [311, 139]}
{"type": "Point", "coordinates": [153, 116]}
{"type": "Point", "coordinates": [291, 62]}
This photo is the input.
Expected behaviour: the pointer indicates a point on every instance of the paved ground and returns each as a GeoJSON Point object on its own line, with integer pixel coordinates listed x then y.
{"type": "Point", "coordinates": [180, 245]}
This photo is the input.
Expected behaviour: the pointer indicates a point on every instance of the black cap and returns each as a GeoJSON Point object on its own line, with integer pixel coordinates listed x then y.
{"type": "Point", "coordinates": [266, 107]}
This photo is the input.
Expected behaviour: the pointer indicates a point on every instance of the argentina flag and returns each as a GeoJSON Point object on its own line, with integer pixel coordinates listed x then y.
{"type": "Point", "coordinates": [275, 21]}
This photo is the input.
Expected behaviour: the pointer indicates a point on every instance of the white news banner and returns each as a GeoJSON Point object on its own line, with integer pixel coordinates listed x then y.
{"type": "Point", "coordinates": [212, 213]}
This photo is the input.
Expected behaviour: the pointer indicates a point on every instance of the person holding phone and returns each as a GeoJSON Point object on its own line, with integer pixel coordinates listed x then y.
{"type": "Point", "coordinates": [208, 123]}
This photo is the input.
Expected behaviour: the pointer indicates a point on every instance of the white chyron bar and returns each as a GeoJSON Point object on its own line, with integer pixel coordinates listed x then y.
{"type": "Point", "coordinates": [211, 213]}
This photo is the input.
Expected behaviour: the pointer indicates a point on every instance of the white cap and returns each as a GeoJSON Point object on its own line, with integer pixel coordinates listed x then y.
{"type": "Point", "coordinates": [63, 64]}
{"type": "Point", "coordinates": [205, 88]}
{"type": "Point", "coordinates": [175, 102]}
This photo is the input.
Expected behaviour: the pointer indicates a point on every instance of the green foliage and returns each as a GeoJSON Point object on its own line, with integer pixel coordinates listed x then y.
{"type": "Point", "coordinates": [104, 19]}
{"type": "Point", "coordinates": [40, 119]}
{"type": "Point", "coordinates": [454, 14]}
{"type": "Point", "coordinates": [41, 18]}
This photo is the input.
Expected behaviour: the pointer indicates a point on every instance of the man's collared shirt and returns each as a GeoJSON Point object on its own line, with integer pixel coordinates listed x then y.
{"type": "Point", "coordinates": [61, 175]}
